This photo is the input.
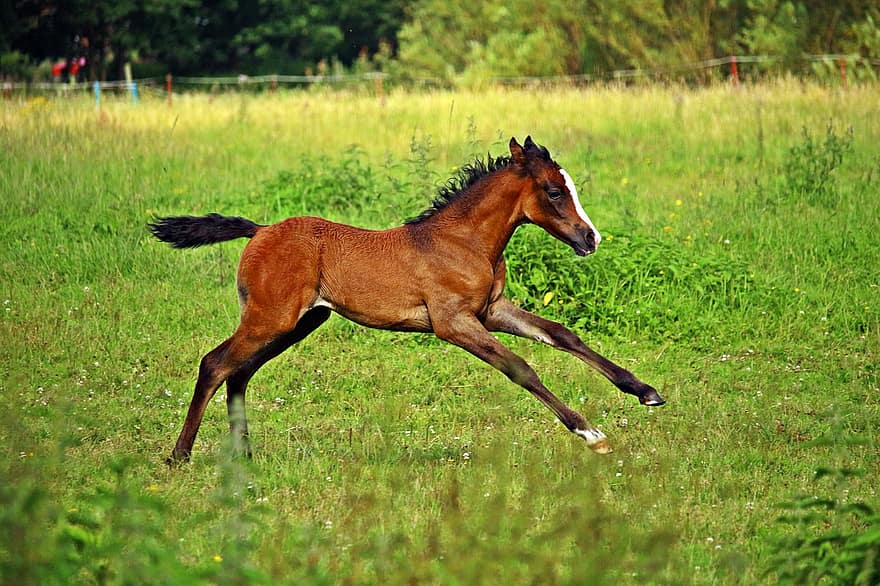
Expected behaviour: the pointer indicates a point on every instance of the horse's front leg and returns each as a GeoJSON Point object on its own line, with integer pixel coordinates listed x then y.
{"type": "Point", "coordinates": [505, 317]}
{"type": "Point", "coordinates": [468, 333]}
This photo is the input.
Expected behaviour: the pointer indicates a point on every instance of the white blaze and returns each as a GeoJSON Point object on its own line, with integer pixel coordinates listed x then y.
{"type": "Point", "coordinates": [569, 183]}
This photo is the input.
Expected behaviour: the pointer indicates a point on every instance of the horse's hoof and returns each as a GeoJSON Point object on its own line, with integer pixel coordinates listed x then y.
{"type": "Point", "coordinates": [652, 399]}
{"type": "Point", "coordinates": [597, 440]}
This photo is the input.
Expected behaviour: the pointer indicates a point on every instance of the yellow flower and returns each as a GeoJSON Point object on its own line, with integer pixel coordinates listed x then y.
{"type": "Point", "coordinates": [678, 202]}
{"type": "Point", "coordinates": [153, 488]}
{"type": "Point", "coordinates": [624, 182]}
{"type": "Point", "coordinates": [218, 558]}
{"type": "Point", "coordinates": [548, 297]}
{"type": "Point", "coordinates": [667, 228]}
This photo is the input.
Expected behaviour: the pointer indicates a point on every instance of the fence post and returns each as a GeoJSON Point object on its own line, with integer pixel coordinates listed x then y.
{"type": "Point", "coordinates": [168, 88]}
{"type": "Point", "coordinates": [380, 88]}
{"type": "Point", "coordinates": [96, 87]}
{"type": "Point", "coordinates": [842, 64]}
{"type": "Point", "coordinates": [132, 86]}
{"type": "Point", "coordinates": [734, 71]}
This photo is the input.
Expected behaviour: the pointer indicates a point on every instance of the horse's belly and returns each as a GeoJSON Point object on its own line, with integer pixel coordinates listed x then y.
{"type": "Point", "coordinates": [411, 318]}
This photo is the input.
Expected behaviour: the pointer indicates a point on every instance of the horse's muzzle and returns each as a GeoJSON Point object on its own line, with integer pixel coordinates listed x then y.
{"type": "Point", "coordinates": [584, 242]}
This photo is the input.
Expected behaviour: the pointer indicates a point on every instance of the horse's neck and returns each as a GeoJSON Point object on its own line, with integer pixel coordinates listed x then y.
{"type": "Point", "coordinates": [486, 217]}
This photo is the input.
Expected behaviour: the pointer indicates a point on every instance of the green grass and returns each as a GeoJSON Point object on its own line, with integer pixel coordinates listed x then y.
{"type": "Point", "coordinates": [738, 275]}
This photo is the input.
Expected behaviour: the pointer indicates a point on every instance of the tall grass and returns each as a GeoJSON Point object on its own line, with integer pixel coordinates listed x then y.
{"type": "Point", "coordinates": [737, 273]}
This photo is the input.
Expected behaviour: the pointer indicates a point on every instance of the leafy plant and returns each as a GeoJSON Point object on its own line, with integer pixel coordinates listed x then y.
{"type": "Point", "coordinates": [809, 167]}
{"type": "Point", "coordinates": [836, 540]}
{"type": "Point", "coordinates": [846, 550]}
{"type": "Point", "coordinates": [642, 284]}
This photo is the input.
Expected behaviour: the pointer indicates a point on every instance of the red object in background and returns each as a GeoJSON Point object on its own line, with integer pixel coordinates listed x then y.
{"type": "Point", "coordinates": [58, 68]}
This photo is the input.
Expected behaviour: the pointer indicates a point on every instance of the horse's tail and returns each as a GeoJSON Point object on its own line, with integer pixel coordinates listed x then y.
{"type": "Point", "coordinates": [190, 231]}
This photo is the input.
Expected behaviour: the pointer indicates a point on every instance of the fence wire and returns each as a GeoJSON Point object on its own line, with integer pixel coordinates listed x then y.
{"type": "Point", "coordinates": [732, 61]}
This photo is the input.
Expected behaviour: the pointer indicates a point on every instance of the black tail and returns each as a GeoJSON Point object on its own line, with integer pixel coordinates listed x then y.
{"type": "Point", "coordinates": [190, 231]}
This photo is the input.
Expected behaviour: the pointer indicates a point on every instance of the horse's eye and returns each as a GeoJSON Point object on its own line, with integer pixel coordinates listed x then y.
{"type": "Point", "coordinates": [554, 193]}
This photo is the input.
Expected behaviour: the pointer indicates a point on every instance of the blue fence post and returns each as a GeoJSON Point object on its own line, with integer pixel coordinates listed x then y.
{"type": "Point", "coordinates": [97, 87]}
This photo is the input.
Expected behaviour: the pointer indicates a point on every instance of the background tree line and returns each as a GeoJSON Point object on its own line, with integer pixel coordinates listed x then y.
{"type": "Point", "coordinates": [447, 39]}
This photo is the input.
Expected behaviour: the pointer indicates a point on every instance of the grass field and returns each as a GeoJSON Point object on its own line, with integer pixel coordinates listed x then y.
{"type": "Point", "coordinates": [739, 275]}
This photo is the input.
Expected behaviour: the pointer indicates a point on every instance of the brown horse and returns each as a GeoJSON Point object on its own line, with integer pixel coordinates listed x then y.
{"type": "Point", "coordinates": [442, 272]}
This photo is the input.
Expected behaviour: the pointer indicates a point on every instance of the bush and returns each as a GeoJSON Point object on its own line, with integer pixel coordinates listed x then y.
{"type": "Point", "coordinates": [809, 168]}
{"type": "Point", "coordinates": [836, 540]}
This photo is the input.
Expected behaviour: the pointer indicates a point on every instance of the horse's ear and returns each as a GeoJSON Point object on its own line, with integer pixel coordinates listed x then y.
{"type": "Point", "coordinates": [534, 149]}
{"type": "Point", "coordinates": [516, 151]}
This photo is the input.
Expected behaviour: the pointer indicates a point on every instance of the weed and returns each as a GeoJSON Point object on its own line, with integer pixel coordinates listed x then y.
{"type": "Point", "coordinates": [809, 169]}
{"type": "Point", "coordinates": [636, 285]}
{"type": "Point", "coordinates": [833, 539]}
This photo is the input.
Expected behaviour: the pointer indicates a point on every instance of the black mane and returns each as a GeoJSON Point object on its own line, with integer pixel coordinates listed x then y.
{"type": "Point", "coordinates": [463, 180]}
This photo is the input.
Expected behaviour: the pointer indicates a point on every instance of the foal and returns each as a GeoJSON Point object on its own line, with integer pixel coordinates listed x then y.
{"type": "Point", "coordinates": [442, 272]}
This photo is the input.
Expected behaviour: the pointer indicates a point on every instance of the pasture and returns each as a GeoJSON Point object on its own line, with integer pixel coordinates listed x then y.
{"type": "Point", "coordinates": [737, 274]}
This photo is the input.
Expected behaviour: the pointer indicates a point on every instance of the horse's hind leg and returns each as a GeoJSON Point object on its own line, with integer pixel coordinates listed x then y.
{"type": "Point", "coordinates": [236, 384]}
{"type": "Point", "coordinates": [213, 370]}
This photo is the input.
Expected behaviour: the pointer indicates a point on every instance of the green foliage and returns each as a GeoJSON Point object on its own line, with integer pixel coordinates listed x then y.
{"type": "Point", "coordinates": [113, 535]}
{"type": "Point", "coordinates": [831, 540]}
{"type": "Point", "coordinates": [470, 42]}
{"type": "Point", "coordinates": [776, 28]}
{"type": "Point", "coordinates": [809, 168]}
{"type": "Point", "coordinates": [849, 555]}
{"type": "Point", "coordinates": [342, 186]}
{"type": "Point", "coordinates": [15, 65]}
{"type": "Point", "coordinates": [476, 41]}
{"type": "Point", "coordinates": [636, 285]}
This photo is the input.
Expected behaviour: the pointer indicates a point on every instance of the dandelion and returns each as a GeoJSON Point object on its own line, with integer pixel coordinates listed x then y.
{"type": "Point", "coordinates": [218, 558]}
{"type": "Point", "coordinates": [624, 182]}
{"type": "Point", "coordinates": [153, 488]}
{"type": "Point", "coordinates": [667, 229]}
{"type": "Point", "coordinates": [678, 202]}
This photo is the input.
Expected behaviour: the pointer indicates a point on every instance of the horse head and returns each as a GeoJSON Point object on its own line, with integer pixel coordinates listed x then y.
{"type": "Point", "coordinates": [550, 199]}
